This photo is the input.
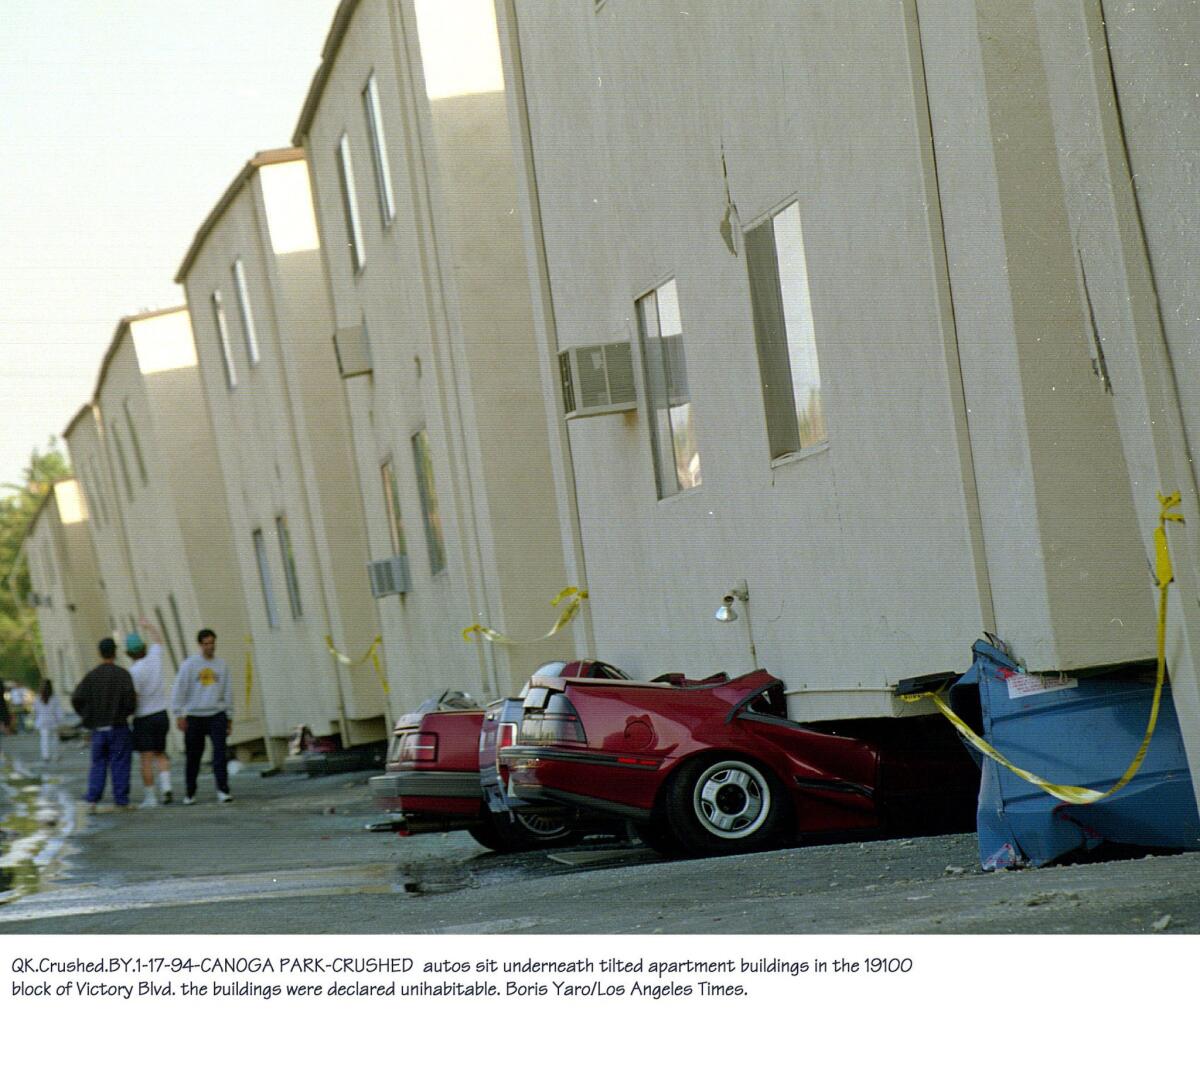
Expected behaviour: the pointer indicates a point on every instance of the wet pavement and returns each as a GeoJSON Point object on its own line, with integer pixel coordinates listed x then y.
{"type": "Point", "coordinates": [292, 854]}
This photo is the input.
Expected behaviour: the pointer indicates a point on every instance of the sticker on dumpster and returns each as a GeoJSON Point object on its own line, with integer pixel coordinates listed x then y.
{"type": "Point", "coordinates": [1027, 685]}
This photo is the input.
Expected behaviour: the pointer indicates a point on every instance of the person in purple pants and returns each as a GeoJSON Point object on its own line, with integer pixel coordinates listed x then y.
{"type": "Point", "coordinates": [105, 699]}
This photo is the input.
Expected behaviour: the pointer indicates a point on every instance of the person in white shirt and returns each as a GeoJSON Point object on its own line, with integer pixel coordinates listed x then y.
{"type": "Point", "coordinates": [150, 722]}
{"type": "Point", "coordinates": [202, 702]}
{"type": "Point", "coordinates": [47, 718]}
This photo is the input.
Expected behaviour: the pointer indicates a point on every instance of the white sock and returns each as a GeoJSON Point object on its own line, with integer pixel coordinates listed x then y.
{"type": "Point", "coordinates": [164, 782]}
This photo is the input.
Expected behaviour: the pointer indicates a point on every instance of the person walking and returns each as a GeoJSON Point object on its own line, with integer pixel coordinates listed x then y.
{"type": "Point", "coordinates": [47, 719]}
{"type": "Point", "coordinates": [150, 722]}
{"type": "Point", "coordinates": [202, 702]}
{"type": "Point", "coordinates": [105, 699]}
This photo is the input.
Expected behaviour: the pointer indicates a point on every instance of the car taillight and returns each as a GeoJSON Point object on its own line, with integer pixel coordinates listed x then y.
{"type": "Point", "coordinates": [506, 736]}
{"type": "Point", "coordinates": [558, 724]}
{"type": "Point", "coordinates": [421, 746]}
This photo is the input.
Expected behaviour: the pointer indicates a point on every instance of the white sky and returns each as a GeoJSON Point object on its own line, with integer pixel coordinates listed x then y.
{"type": "Point", "coordinates": [121, 123]}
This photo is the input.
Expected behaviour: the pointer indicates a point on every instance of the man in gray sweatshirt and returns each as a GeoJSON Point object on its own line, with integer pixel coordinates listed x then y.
{"type": "Point", "coordinates": [202, 703]}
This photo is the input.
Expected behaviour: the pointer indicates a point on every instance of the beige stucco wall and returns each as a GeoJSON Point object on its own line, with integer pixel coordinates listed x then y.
{"type": "Point", "coordinates": [974, 478]}
{"type": "Point", "coordinates": [89, 458]}
{"type": "Point", "coordinates": [177, 520]}
{"type": "Point", "coordinates": [282, 443]}
{"type": "Point", "coordinates": [445, 282]}
{"type": "Point", "coordinates": [63, 573]}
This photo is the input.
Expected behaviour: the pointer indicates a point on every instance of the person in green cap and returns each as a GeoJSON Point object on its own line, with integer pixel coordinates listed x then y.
{"type": "Point", "coordinates": [150, 722]}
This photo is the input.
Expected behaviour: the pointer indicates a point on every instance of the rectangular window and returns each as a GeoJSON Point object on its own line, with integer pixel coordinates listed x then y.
{"type": "Point", "coordinates": [429, 503]}
{"type": "Point", "coordinates": [122, 462]}
{"type": "Point", "coordinates": [383, 177]}
{"type": "Point", "coordinates": [135, 443]}
{"type": "Point", "coordinates": [96, 496]}
{"type": "Point", "coordinates": [162, 629]}
{"type": "Point", "coordinates": [391, 496]}
{"type": "Point", "coordinates": [218, 307]}
{"type": "Point", "coordinates": [288, 556]}
{"type": "Point", "coordinates": [183, 645]}
{"type": "Point", "coordinates": [243, 298]}
{"type": "Point", "coordinates": [354, 236]}
{"type": "Point", "coordinates": [672, 428]}
{"type": "Point", "coordinates": [264, 577]}
{"type": "Point", "coordinates": [783, 331]}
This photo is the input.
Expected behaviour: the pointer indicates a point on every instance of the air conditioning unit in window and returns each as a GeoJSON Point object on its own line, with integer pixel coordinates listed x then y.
{"type": "Point", "coordinates": [597, 379]}
{"type": "Point", "coordinates": [353, 351]}
{"type": "Point", "coordinates": [389, 577]}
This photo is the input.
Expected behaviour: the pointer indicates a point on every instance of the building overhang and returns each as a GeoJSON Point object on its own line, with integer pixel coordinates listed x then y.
{"type": "Point", "coordinates": [265, 157]}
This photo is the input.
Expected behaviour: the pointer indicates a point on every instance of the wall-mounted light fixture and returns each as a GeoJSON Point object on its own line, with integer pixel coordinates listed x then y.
{"type": "Point", "coordinates": [727, 613]}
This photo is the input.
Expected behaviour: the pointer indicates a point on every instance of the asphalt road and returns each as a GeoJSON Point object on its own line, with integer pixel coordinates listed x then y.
{"type": "Point", "coordinates": [291, 854]}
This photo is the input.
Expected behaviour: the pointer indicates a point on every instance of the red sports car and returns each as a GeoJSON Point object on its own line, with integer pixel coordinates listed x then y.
{"type": "Point", "coordinates": [432, 773]}
{"type": "Point", "coordinates": [716, 766]}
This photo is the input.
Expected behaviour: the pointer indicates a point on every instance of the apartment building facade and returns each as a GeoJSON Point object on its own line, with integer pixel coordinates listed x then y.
{"type": "Point", "coordinates": [407, 138]}
{"type": "Point", "coordinates": [65, 586]}
{"type": "Point", "coordinates": [255, 285]}
{"type": "Point", "coordinates": [866, 387]}
{"type": "Point", "coordinates": [91, 465]}
{"type": "Point", "coordinates": [164, 505]}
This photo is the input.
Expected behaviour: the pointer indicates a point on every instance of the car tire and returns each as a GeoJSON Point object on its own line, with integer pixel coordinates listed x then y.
{"type": "Point", "coordinates": [521, 832]}
{"type": "Point", "coordinates": [725, 805]}
{"type": "Point", "coordinates": [657, 837]}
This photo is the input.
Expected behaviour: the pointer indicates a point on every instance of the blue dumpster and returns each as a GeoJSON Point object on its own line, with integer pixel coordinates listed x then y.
{"type": "Point", "coordinates": [1082, 730]}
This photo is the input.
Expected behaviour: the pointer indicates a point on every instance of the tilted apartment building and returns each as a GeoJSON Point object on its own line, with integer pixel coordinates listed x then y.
{"type": "Point", "coordinates": [146, 455]}
{"type": "Point", "coordinates": [264, 334]}
{"type": "Point", "coordinates": [92, 467]}
{"type": "Point", "coordinates": [65, 586]}
{"type": "Point", "coordinates": [830, 308]}
{"type": "Point", "coordinates": [407, 136]}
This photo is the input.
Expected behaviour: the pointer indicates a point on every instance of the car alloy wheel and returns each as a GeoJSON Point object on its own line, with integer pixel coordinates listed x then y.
{"type": "Point", "coordinates": [731, 799]}
{"type": "Point", "coordinates": [721, 806]}
{"type": "Point", "coordinates": [541, 827]}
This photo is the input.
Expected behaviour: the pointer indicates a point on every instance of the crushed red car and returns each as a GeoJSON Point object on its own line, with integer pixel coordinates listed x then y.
{"type": "Point", "coordinates": [432, 775]}
{"type": "Point", "coordinates": [715, 766]}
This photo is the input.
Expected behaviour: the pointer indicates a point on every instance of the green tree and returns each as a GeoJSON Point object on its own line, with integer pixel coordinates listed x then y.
{"type": "Point", "coordinates": [19, 639]}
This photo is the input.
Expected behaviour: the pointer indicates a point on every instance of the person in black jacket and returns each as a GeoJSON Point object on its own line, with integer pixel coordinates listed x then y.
{"type": "Point", "coordinates": [104, 700]}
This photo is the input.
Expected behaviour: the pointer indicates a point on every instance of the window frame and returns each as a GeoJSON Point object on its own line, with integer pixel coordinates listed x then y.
{"type": "Point", "coordinates": [667, 461]}
{"type": "Point", "coordinates": [373, 108]}
{"type": "Point", "coordinates": [291, 577]}
{"type": "Point", "coordinates": [778, 347]}
{"type": "Point", "coordinates": [135, 443]}
{"type": "Point", "coordinates": [162, 627]}
{"type": "Point", "coordinates": [435, 537]}
{"type": "Point", "coordinates": [391, 503]}
{"type": "Point", "coordinates": [354, 232]}
{"type": "Point", "coordinates": [126, 479]}
{"type": "Point", "coordinates": [222, 324]}
{"type": "Point", "coordinates": [241, 291]}
{"type": "Point", "coordinates": [183, 644]}
{"type": "Point", "coordinates": [264, 578]}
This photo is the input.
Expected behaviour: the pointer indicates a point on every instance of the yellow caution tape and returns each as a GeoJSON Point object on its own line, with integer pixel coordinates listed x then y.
{"type": "Point", "coordinates": [1070, 793]}
{"type": "Point", "coordinates": [577, 597]}
{"type": "Point", "coordinates": [371, 654]}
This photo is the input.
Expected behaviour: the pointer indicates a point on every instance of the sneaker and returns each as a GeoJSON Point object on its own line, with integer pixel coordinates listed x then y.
{"type": "Point", "coordinates": [188, 800]}
{"type": "Point", "coordinates": [224, 796]}
{"type": "Point", "coordinates": [166, 798]}
{"type": "Point", "coordinates": [149, 802]}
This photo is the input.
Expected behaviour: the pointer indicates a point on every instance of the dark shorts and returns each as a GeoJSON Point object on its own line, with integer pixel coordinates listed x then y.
{"type": "Point", "coordinates": [150, 732]}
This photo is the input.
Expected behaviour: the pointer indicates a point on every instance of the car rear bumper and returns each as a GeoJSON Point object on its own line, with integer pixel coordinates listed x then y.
{"type": "Point", "coordinates": [438, 785]}
{"type": "Point", "coordinates": [429, 795]}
